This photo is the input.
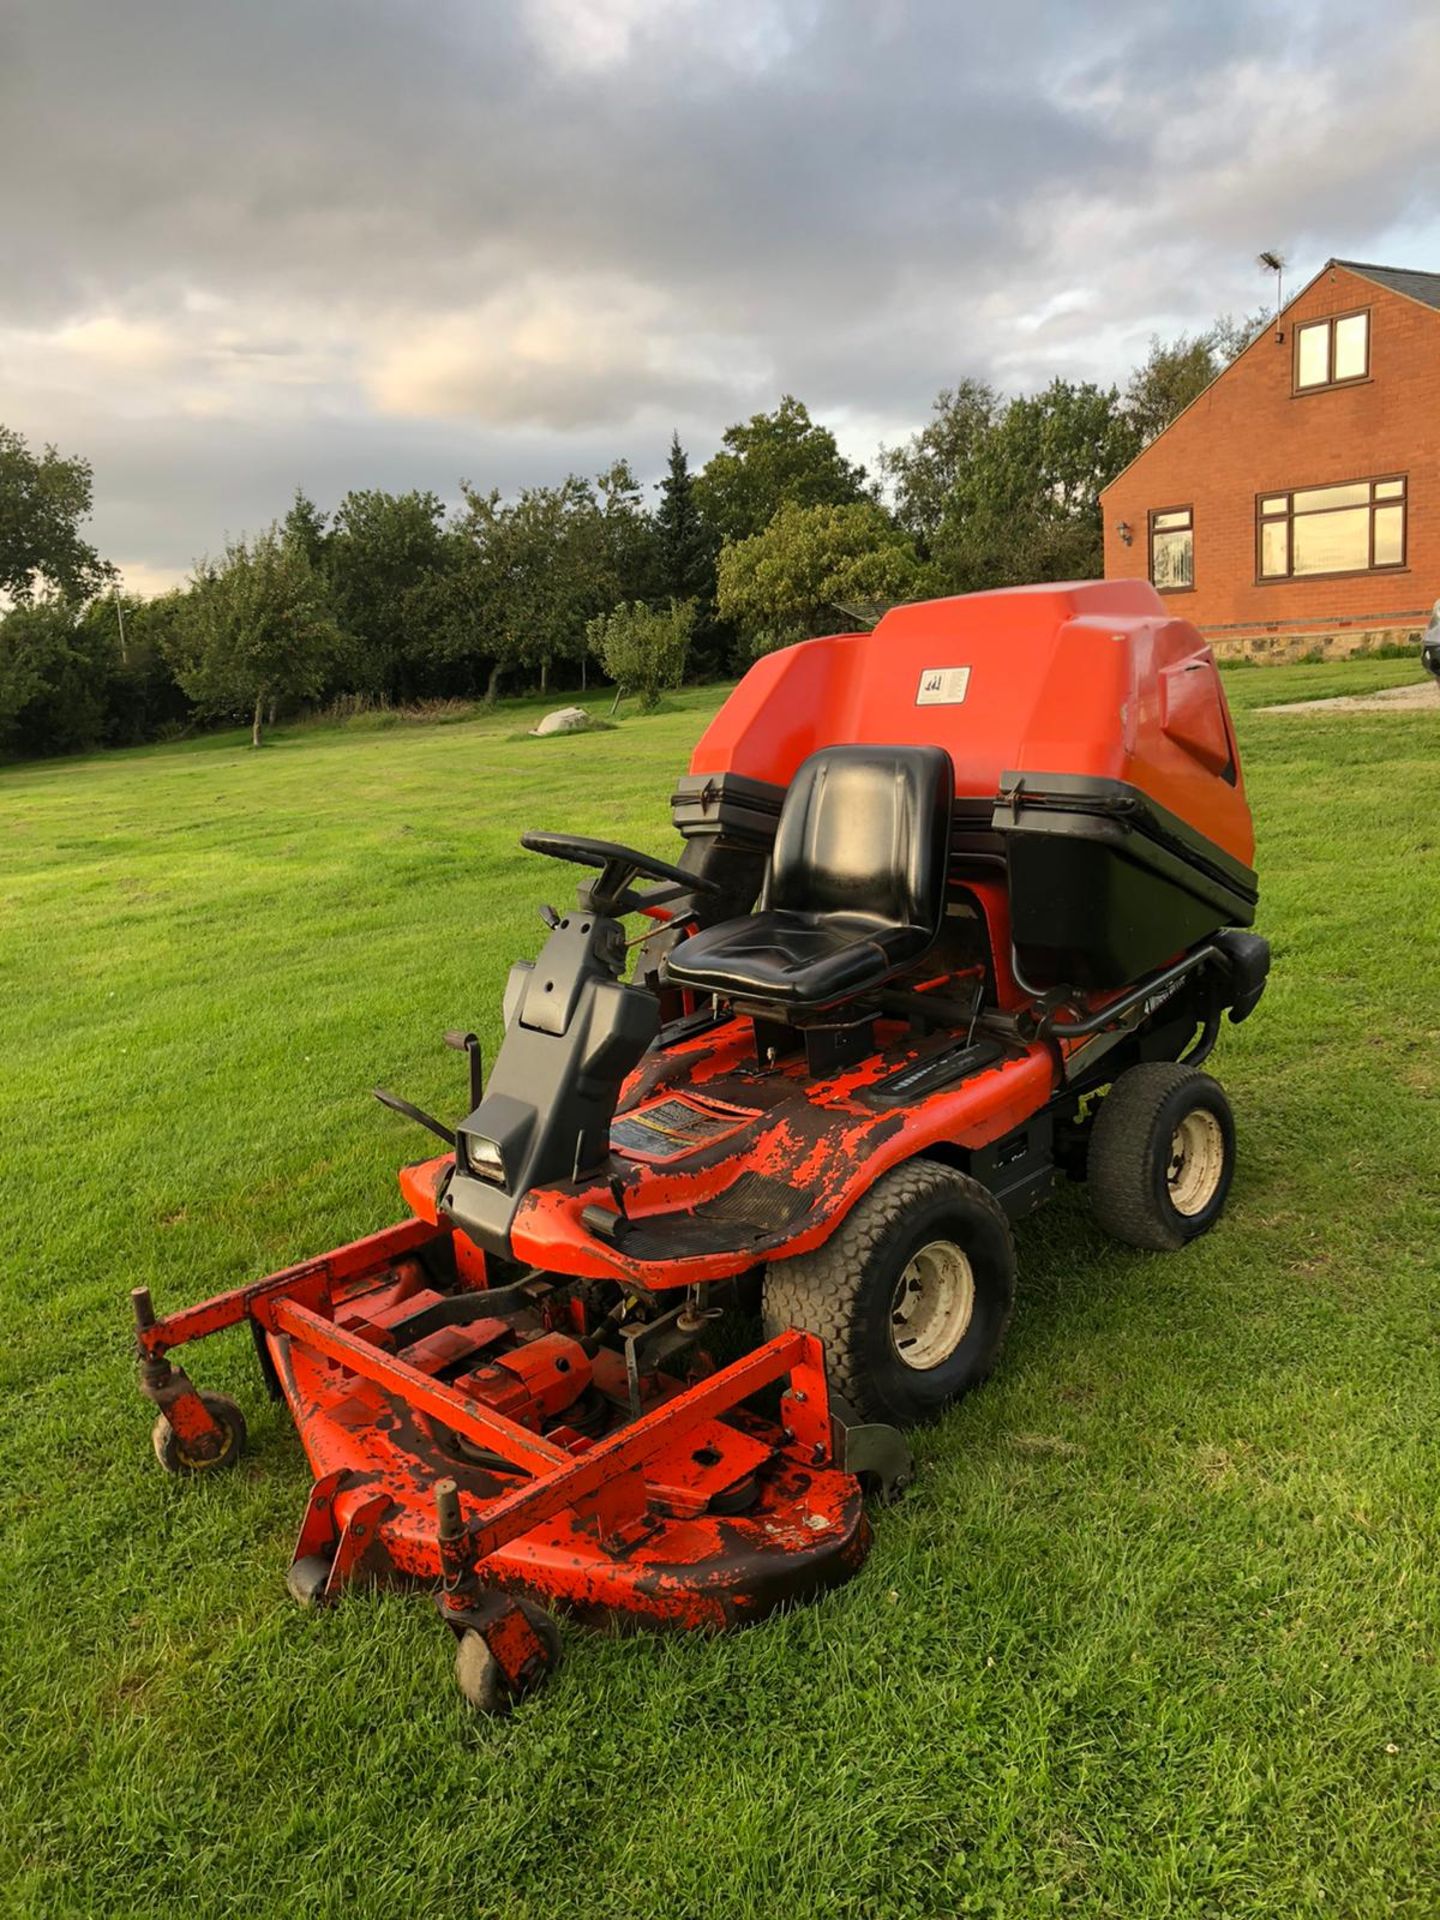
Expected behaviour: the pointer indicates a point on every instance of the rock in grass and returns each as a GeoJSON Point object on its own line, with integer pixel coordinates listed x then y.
{"type": "Point", "coordinates": [564, 720]}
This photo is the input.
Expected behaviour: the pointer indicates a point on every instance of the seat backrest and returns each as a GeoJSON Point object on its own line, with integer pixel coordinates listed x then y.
{"type": "Point", "coordinates": [866, 829]}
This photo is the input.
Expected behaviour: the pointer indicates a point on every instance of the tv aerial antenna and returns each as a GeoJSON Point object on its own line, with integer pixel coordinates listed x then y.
{"type": "Point", "coordinates": [1275, 263]}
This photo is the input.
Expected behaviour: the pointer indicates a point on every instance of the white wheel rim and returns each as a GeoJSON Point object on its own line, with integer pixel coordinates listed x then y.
{"type": "Point", "coordinates": [1197, 1162]}
{"type": "Point", "coordinates": [932, 1305]}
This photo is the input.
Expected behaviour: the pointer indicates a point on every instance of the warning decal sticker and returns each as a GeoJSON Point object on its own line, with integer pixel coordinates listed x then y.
{"type": "Point", "coordinates": [942, 686]}
{"type": "Point", "coordinates": [671, 1127]}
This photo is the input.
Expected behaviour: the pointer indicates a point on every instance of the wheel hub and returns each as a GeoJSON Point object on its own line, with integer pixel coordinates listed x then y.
{"type": "Point", "coordinates": [932, 1306]}
{"type": "Point", "coordinates": [1197, 1161]}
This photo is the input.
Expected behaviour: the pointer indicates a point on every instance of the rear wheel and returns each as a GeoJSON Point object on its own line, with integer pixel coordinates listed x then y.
{"type": "Point", "coordinates": [1162, 1156]}
{"type": "Point", "coordinates": [911, 1293]}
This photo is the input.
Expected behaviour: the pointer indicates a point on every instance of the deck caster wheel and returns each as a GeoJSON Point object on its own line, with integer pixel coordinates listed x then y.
{"type": "Point", "coordinates": [483, 1681]}
{"type": "Point", "coordinates": [170, 1448]}
{"type": "Point", "coordinates": [1162, 1156]}
{"type": "Point", "coordinates": [911, 1294]}
{"type": "Point", "coordinates": [307, 1578]}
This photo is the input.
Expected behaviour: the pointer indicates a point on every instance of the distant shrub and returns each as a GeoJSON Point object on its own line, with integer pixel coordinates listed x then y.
{"type": "Point", "coordinates": [371, 713]}
{"type": "Point", "coordinates": [642, 650]}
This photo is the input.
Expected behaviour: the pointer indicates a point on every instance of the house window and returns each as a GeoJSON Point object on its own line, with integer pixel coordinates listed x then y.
{"type": "Point", "coordinates": [1357, 528]}
{"type": "Point", "coordinates": [1328, 353]}
{"type": "Point", "coordinates": [1172, 549]}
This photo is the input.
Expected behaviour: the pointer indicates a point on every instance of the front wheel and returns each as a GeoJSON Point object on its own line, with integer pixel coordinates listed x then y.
{"type": "Point", "coordinates": [170, 1448]}
{"type": "Point", "coordinates": [1162, 1156]}
{"type": "Point", "coordinates": [481, 1678]}
{"type": "Point", "coordinates": [911, 1294]}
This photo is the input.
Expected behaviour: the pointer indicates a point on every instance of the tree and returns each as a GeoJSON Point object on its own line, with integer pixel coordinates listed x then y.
{"type": "Point", "coordinates": [686, 546]}
{"type": "Point", "coordinates": [1177, 372]}
{"type": "Point", "coordinates": [813, 569]}
{"type": "Point", "coordinates": [628, 533]}
{"type": "Point", "coordinates": [380, 558]}
{"type": "Point", "coordinates": [769, 460]}
{"type": "Point", "coordinates": [54, 677]}
{"type": "Point", "coordinates": [304, 525]}
{"type": "Point", "coordinates": [642, 649]}
{"type": "Point", "coordinates": [130, 635]}
{"type": "Point", "coordinates": [42, 503]}
{"type": "Point", "coordinates": [255, 629]}
{"type": "Point", "coordinates": [1231, 336]}
{"type": "Point", "coordinates": [925, 472]}
{"type": "Point", "coordinates": [1027, 505]}
{"type": "Point", "coordinates": [1171, 377]}
{"type": "Point", "coordinates": [535, 570]}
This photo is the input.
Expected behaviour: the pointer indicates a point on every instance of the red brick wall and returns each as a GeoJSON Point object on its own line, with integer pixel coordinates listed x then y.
{"type": "Point", "coordinates": [1251, 433]}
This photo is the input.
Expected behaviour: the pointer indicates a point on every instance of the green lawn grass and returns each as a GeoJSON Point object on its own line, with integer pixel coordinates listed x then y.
{"type": "Point", "coordinates": [1154, 1634]}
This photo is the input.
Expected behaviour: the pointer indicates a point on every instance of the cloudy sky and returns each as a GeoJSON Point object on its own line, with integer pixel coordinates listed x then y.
{"type": "Point", "coordinates": [250, 244]}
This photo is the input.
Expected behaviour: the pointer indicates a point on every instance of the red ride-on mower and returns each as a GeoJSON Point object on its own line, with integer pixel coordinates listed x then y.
{"type": "Point", "coordinates": [1001, 850]}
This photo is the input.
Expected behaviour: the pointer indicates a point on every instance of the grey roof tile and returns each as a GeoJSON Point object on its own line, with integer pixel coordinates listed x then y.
{"type": "Point", "coordinates": [1407, 280]}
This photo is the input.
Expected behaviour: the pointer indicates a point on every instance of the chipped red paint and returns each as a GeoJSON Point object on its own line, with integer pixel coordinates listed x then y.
{"type": "Point", "coordinates": [817, 1138]}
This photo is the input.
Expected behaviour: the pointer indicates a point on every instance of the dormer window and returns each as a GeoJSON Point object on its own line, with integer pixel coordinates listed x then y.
{"type": "Point", "coordinates": [1333, 352]}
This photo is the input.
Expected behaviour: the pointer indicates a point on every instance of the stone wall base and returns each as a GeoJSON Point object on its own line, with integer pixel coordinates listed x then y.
{"type": "Point", "coordinates": [1283, 649]}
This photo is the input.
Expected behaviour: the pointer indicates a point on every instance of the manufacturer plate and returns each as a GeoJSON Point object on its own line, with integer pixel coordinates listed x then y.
{"type": "Point", "coordinates": [942, 686]}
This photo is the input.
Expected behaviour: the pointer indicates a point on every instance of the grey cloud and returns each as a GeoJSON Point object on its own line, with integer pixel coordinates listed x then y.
{"type": "Point", "coordinates": [702, 204]}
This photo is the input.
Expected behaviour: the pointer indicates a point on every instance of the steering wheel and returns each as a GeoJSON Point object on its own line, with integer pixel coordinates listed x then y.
{"type": "Point", "coordinates": [612, 893]}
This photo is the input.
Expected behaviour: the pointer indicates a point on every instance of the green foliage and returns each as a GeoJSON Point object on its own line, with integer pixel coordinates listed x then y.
{"type": "Point", "coordinates": [686, 546]}
{"type": "Point", "coordinates": [769, 461]}
{"type": "Point", "coordinates": [43, 499]}
{"type": "Point", "coordinates": [814, 570]}
{"type": "Point", "coordinates": [1174, 374]}
{"type": "Point", "coordinates": [134, 638]}
{"type": "Point", "coordinates": [305, 526]}
{"type": "Point", "coordinates": [778, 536]}
{"type": "Point", "coordinates": [382, 558]}
{"type": "Point", "coordinates": [925, 473]}
{"type": "Point", "coordinates": [74, 678]}
{"type": "Point", "coordinates": [1178, 371]}
{"type": "Point", "coordinates": [628, 552]}
{"type": "Point", "coordinates": [54, 677]}
{"type": "Point", "coordinates": [255, 631]}
{"type": "Point", "coordinates": [1230, 336]}
{"type": "Point", "coordinates": [1026, 506]}
{"type": "Point", "coordinates": [643, 650]}
{"type": "Point", "coordinates": [532, 571]}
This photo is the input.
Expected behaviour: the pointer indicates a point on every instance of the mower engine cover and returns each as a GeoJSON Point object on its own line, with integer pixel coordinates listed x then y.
{"type": "Point", "coordinates": [1093, 751]}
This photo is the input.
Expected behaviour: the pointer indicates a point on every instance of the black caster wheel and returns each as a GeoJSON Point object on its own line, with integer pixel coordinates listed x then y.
{"type": "Point", "coordinates": [306, 1579]}
{"type": "Point", "coordinates": [170, 1448]}
{"type": "Point", "coordinates": [482, 1680]}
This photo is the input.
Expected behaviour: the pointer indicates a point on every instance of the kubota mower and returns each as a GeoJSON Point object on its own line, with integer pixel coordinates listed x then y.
{"type": "Point", "coordinates": [1001, 851]}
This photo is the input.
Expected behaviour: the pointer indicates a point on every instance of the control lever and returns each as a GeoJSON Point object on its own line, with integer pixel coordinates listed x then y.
{"type": "Point", "coordinates": [469, 1045]}
{"type": "Point", "coordinates": [601, 1222]}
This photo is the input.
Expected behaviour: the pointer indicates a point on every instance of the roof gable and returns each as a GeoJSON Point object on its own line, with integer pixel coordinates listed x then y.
{"type": "Point", "coordinates": [1407, 281]}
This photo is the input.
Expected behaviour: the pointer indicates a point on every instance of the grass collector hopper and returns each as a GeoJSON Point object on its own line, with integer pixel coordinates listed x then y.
{"type": "Point", "coordinates": [1002, 857]}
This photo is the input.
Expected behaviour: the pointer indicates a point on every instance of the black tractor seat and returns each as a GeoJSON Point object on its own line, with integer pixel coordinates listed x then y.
{"type": "Point", "coordinates": [855, 889]}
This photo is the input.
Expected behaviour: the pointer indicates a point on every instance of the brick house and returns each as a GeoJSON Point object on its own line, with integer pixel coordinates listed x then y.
{"type": "Point", "coordinates": [1295, 505]}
